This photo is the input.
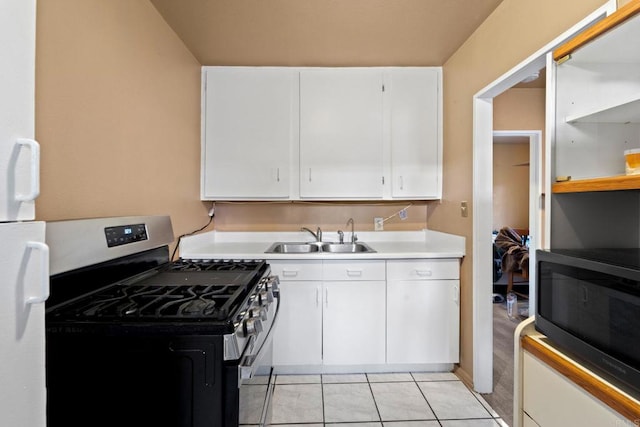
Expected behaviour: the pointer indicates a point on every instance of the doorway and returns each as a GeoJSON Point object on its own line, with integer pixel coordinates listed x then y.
{"type": "Point", "coordinates": [517, 177]}
{"type": "Point", "coordinates": [482, 196]}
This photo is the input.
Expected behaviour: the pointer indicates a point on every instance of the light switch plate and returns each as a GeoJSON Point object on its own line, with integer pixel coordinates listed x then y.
{"type": "Point", "coordinates": [464, 209]}
{"type": "Point", "coordinates": [378, 224]}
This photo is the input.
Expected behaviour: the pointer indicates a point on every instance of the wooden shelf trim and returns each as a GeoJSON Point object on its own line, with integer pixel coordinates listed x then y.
{"type": "Point", "coordinates": [610, 396]}
{"type": "Point", "coordinates": [610, 183]}
{"type": "Point", "coordinates": [625, 12]}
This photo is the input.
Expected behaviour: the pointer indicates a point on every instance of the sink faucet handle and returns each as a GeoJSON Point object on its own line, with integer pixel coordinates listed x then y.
{"type": "Point", "coordinates": [341, 236]}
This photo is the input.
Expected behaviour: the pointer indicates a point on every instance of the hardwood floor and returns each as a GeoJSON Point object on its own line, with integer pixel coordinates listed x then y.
{"type": "Point", "coordinates": [501, 400]}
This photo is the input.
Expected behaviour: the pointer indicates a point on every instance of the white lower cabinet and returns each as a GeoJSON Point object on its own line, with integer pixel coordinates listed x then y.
{"type": "Point", "coordinates": [528, 422]}
{"type": "Point", "coordinates": [298, 334]}
{"type": "Point", "coordinates": [423, 311]}
{"type": "Point", "coordinates": [332, 313]}
{"type": "Point", "coordinates": [551, 400]}
{"type": "Point", "coordinates": [369, 312]}
{"type": "Point", "coordinates": [353, 323]}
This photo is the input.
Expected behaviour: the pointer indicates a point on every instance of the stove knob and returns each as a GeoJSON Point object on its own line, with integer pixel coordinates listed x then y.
{"type": "Point", "coordinates": [251, 326]}
{"type": "Point", "coordinates": [258, 313]}
{"type": "Point", "coordinates": [265, 297]}
{"type": "Point", "coordinates": [272, 283]}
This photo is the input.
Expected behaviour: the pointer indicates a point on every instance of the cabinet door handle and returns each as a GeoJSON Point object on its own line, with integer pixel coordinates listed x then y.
{"type": "Point", "coordinates": [401, 183]}
{"type": "Point", "coordinates": [34, 165]}
{"type": "Point", "coordinates": [278, 174]}
{"type": "Point", "coordinates": [424, 273]}
{"type": "Point", "coordinates": [309, 174]}
{"type": "Point", "coordinates": [290, 273]}
{"type": "Point", "coordinates": [456, 294]}
{"type": "Point", "coordinates": [326, 298]}
{"type": "Point", "coordinates": [354, 273]}
{"type": "Point", "coordinates": [317, 297]}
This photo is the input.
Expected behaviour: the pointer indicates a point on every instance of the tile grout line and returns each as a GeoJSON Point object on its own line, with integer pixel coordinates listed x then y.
{"type": "Point", "coordinates": [373, 396]}
{"type": "Point", "coordinates": [425, 399]}
{"type": "Point", "coordinates": [380, 421]}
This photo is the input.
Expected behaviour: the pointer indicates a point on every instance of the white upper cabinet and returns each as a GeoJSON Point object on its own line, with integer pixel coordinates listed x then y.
{"type": "Point", "coordinates": [341, 133]}
{"type": "Point", "coordinates": [249, 129]}
{"type": "Point", "coordinates": [415, 132]}
{"type": "Point", "coordinates": [19, 153]}
{"type": "Point", "coordinates": [274, 133]}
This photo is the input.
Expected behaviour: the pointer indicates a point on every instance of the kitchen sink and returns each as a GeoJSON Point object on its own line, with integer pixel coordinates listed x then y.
{"type": "Point", "coordinates": [318, 247]}
{"type": "Point", "coordinates": [342, 248]}
{"type": "Point", "coordinates": [293, 248]}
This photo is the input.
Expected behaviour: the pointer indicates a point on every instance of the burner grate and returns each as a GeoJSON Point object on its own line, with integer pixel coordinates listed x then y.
{"type": "Point", "coordinates": [212, 302]}
{"type": "Point", "coordinates": [214, 265]}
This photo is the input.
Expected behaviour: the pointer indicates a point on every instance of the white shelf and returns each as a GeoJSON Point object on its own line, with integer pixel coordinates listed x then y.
{"type": "Point", "coordinates": [626, 111]}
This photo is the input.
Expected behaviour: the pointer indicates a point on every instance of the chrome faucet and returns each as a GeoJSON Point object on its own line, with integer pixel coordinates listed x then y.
{"type": "Point", "coordinates": [317, 235]}
{"type": "Point", "coordinates": [353, 233]}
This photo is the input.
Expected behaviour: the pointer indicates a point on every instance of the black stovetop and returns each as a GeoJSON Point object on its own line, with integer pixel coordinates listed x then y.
{"type": "Point", "coordinates": [184, 290]}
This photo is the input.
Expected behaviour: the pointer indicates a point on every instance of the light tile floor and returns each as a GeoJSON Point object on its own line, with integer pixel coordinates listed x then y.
{"type": "Point", "coordinates": [379, 400]}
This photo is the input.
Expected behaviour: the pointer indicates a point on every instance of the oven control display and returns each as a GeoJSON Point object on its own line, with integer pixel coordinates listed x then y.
{"type": "Point", "coordinates": [124, 234]}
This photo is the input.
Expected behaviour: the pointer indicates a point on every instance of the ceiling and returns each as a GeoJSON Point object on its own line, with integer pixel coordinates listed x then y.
{"type": "Point", "coordinates": [324, 32]}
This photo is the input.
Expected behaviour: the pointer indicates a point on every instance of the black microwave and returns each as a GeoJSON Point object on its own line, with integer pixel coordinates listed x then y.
{"type": "Point", "coordinates": [588, 303]}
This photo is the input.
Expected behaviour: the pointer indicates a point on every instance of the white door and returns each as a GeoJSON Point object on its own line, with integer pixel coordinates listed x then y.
{"type": "Point", "coordinates": [297, 338]}
{"type": "Point", "coordinates": [415, 133]}
{"type": "Point", "coordinates": [423, 321]}
{"type": "Point", "coordinates": [341, 133]}
{"type": "Point", "coordinates": [250, 126]}
{"type": "Point", "coordinates": [19, 153]}
{"type": "Point", "coordinates": [24, 263]}
{"type": "Point", "coordinates": [354, 323]}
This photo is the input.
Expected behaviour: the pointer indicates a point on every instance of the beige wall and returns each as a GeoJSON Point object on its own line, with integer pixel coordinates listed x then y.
{"type": "Point", "coordinates": [117, 113]}
{"type": "Point", "coordinates": [515, 30]}
{"type": "Point", "coordinates": [510, 185]}
{"type": "Point", "coordinates": [118, 99]}
{"type": "Point", "coordinates": [515, 109]}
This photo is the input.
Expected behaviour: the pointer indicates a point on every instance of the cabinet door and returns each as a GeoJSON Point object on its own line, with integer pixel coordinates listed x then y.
{"type": "Point", "coordinates": [297, 337]}
{"type": "Point", "coordinates": [250, 125]}
{"type": "Point", "coordinates": [19, 153]}
{"type": "Point", "coordinates": [354, 323]}
{"type": "Point", "coordinates": [341, 133]}
{"type": "Point", "coordinates": [415, 128]}
{"type": "Point", "coordinates": [555, 401]}
{"type": "Point", "coordinates": [423, 321]}
{"type": "Point", "coordinates": [25, 280]}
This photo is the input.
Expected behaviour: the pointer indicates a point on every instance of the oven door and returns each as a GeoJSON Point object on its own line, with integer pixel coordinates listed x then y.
{"type": "Point", "coordinates": [256, 380]}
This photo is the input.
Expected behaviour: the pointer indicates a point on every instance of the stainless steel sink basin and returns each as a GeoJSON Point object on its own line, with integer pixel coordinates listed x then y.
{"type": "Point", "coordinates": [316, 247]}
{"type": "Point", "coordinates": [343, 248]}
{"type": "Point", "coordinates": [293, 248]}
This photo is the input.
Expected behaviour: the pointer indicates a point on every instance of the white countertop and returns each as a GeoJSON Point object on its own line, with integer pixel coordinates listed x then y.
{"type": "Point", "coordinates": [387, 244]}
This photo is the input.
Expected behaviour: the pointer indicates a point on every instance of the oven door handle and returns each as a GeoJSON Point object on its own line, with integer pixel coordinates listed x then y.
{"type": "Point", "coordinates": [250, 362]}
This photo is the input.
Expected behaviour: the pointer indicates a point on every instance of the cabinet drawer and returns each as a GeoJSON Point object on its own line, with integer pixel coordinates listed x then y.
{"type": "Point", "coordinates": [353, 270]}
{"type": "Point", "coordinates": [553, 400]}
{"type": "Point", "coordinates": [426, 269]}
{"type": "Point", "coordinates": [297, 270]}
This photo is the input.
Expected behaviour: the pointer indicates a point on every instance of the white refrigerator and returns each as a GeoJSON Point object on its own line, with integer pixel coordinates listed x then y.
{"type": "Point", "coordinates": [24, 258]}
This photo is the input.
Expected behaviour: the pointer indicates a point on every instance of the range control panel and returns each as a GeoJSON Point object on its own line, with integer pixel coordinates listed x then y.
{"type": "Point", "coordinates": [125, 234]}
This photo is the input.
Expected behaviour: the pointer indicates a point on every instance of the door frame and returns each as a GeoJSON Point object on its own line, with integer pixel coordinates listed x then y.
{"type": "Point", "coordinates": [483, 195]}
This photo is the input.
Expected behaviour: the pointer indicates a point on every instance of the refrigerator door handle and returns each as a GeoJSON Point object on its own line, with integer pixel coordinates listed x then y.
{"type": "Point", "coordinates": [35, 170]}
{"type": "Point", "coordinates": [44, 277]}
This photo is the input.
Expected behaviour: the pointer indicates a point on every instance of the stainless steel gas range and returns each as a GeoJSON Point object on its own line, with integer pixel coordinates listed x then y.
{"type": "Point", "coordinates": [136, 340]}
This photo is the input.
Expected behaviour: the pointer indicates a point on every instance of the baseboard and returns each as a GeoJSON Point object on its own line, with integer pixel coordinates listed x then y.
{"type": "Point", "coordinates": [464, 376]}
